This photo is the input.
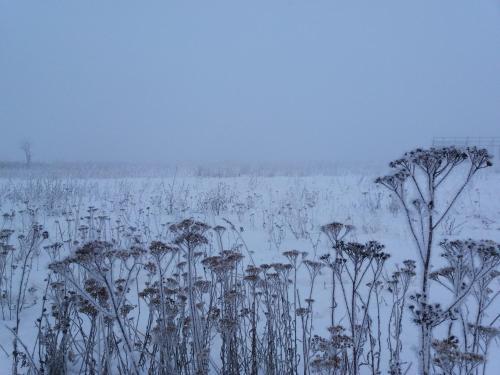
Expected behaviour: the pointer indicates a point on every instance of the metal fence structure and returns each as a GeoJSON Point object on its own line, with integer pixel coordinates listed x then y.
{"type": "Point", "coordinates": [492, 144]}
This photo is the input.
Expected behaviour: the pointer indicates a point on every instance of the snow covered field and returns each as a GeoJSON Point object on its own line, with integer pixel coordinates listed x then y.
{"type": "Point", "coordinates": [262, 217]}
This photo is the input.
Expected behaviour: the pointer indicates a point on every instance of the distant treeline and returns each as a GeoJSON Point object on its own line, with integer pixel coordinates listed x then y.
{"type": "Point", "coordinates": [213, 169]}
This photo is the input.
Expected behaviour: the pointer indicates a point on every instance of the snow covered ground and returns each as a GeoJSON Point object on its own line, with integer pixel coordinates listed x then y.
{"type": "Point", "coordinates": [270, 215]}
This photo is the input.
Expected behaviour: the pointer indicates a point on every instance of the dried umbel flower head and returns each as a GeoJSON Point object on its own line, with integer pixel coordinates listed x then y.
{"type": "Point", "coordinates": [190, 233]}
{"type": "Point", "coordinates": [330, 352]}
{"type": "Point", "coordinates": [171, 282]}
{"type": "Point", "coordinates": [252, 279]}
{"type": "Point", "coordinates": [53, 248]}
{"type": "Point", "coordinates": [302, 311]}
{"type": "Point", "coordinates": [461, 253]}
{"type": "Point", "coordinates": [409, 267]}
{"type": "Point", "coordinates": [313, 267]}
{"type": "Point", "coordinates": [283, 269]}
{"type": "Point", "coordinates": [191, 240]}
{"type": "Point", "coordinates": [136, 251]}
{"type": "Point", "coordinates": [189, 226]}
{"type": "Point", "coordinates": [338, 341]}
{"type": "Point", "coordinates": [211, 261]}
{"type": "Point", "coordinates": [223, 263]}
{"type": "Point", "coordinates": [456, 249]}
{"type": "Point", "coordinates": [125, 309]}
{"type": "Point", "coordinates": [231, 256]}
{"type": "Point", "coordinates": [487, 333]}
{"type": "Point", "coordinates": [5, 235]}
{"type": "Point", "coordinates": [327, 260]}
{"type": "Point", "coordinates": [150, 267]}
{"type": "Point", "coordinates": [444, 272]}
{"type": "Point", "coordinates": [265, 267]}
{"type": "Point", "coordinates": [6, 249]}
{"type": "Point", "coordinates": [91, 252]}
{"type": "Point", "coordinates": [402, 277]}
{"type": "Point", "coordinates": [479, 157]}
{"type": "Point", "coordinates": [60, 266]}
{"type": "Point", "coordinates": [227, 326]}
{"type": "Point", "coordinates": [159, 249]}
{"type": "Point", "coordinates": [219, 229]}
{"type": "Point", "coordinates": [448, 356]}
{"type": "Point", "coordinates": [273, 278]}
{"type": "Point", "coordinates": [336, 231]}
{"type": "Point", "coordinates": [203, 286]}
{"type": "Point", "coordinates": [252, 275]}
{"type": "Point", "coordinates": [429, 314]}
{"type": "Point", "coordinates": [326, 364]}
{"type": "Point", "coordinates": [292, 256]}
{"type": "Point", "coordinates": [393, 182]}
{"type": "Point", "coordinates": [487, 250]}
{"type": "Point", "coordinates": [252, 270]}
{"type": "Point", "coordinates": [86, 307]}
{"type": "Point", "coordinates": [372, 250]}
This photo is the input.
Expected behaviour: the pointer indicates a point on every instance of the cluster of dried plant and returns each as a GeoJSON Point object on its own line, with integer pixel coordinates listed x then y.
{"type": "Point", "coordinates": [189, 299]}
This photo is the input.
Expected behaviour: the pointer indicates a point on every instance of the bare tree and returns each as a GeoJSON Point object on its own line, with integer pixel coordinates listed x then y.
{"type": "Point", "coordinates": [26, 147]}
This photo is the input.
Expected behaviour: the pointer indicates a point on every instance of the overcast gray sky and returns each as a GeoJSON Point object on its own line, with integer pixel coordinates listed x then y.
{"type": "Point", "coordinates": [261, 80]}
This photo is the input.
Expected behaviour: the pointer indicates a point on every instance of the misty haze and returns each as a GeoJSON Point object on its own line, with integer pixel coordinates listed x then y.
{"type": "Point", "coordinates": [250, 187]}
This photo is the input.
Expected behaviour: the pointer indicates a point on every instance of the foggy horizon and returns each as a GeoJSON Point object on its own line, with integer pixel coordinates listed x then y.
{"type": "Point", "coordinates": [226, 81]}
